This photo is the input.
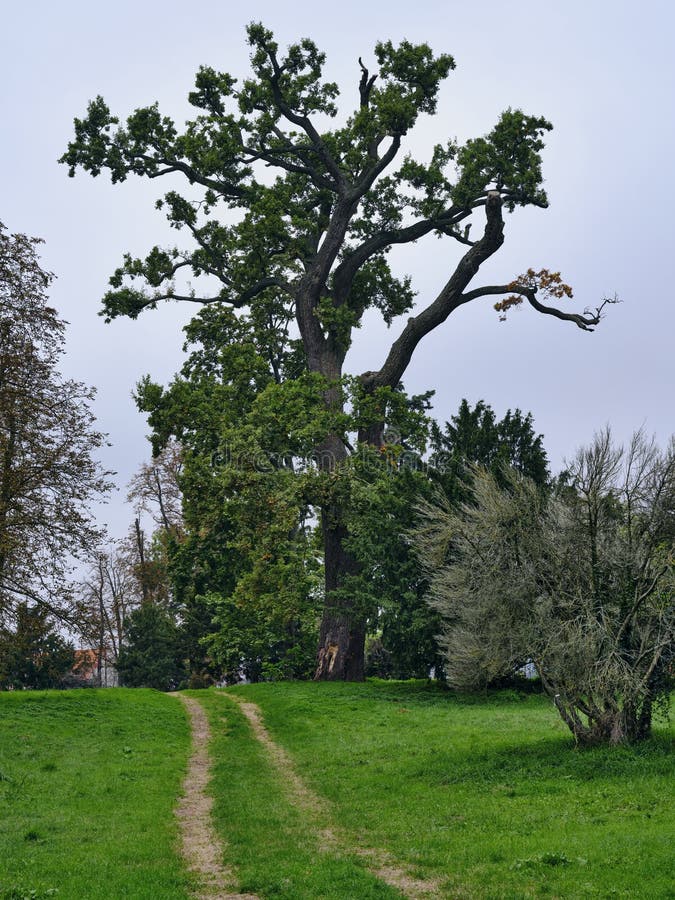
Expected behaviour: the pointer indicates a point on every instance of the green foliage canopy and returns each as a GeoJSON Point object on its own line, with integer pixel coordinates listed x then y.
{"type": "Point", "coordinates": [292, 211]}
{"type": "Point", "coordinates": [331, 213]}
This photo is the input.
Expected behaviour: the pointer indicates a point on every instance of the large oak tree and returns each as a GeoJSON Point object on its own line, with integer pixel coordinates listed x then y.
{"type": "Point", "coordinates": [292, 210]}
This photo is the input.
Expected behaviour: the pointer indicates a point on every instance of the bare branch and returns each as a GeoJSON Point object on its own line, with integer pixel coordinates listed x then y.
{"type": "Point", "coordinates": [174, 165]}
{"type": "Point", "coordinates": [449, 299]}
{"type": "Point", "coordinates": [445, 222]}
{"type": "Point", "coordinates": [586, 321]}
{"type": "Point", "coordinates": [272, 158]}
{"type": "Point", "coordinates": [365, 85]}
{"type": "Point", "coordinates": [645, 595]}
{"type": "Point", "coordinates": [234, 302]}
{"type": "Point", "coordinates": [369, 176]}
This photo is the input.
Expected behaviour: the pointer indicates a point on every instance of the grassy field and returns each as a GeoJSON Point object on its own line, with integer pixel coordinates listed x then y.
{"type": "Point", "coordinates": [271, 844]}
{"type": "Point", "coordinates": [484, 795]}
{"type": "Point", "coordinates": [88, 782]}
{"type": "Point", "coordinates": [487, 794]}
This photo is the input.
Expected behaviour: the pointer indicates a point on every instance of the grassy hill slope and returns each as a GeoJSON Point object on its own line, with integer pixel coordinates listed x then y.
{"type": "Point", "coordinates": [88, 782]}
{"type": "Point", "coordinates": [487, 794]}
{"type": "Point", "coordinates": [484, 796]}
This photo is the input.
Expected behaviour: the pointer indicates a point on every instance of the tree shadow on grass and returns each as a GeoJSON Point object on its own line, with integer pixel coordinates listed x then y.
{"type": "Point", "coordinates": [555, 759]}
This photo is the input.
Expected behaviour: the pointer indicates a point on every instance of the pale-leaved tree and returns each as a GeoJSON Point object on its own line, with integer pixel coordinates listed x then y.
{"type": "Point", "coordinates": [580, 579]}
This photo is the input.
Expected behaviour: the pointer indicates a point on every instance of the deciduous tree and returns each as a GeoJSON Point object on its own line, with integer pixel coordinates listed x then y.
{"type": "Point", "coordinates": [49, 475]}
{"type": "Point", "coordinates": [581, 582]}
{"type": "Point", "coordinates": [243, 562]}
{"type": "Point", "coordinates": [105, 599]}
{"type": "Point", "coordinates": [293, 218]}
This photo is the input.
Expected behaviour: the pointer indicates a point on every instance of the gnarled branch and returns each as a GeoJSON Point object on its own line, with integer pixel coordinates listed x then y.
{"type": "Point", "coordinates": [586, 320]}
{"type": "Point", "coordinates": [445, 222]}
{"type": "Point", "coordinates": [302, 121]}
{"type": "Point", "coordinates": [449, 299]}
{"type": "Point", "coordinates": [365, 85]}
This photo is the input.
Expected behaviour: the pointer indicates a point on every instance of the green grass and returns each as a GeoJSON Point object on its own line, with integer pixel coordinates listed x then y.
{"type": "Point", "coordinates": [88, 783]}
{"type": "Point", "coordinates": [488, 794]}
{"type": "Point", "coordinates": [485, 794]}
{"type": "Point", "coordinates": [271, 845]}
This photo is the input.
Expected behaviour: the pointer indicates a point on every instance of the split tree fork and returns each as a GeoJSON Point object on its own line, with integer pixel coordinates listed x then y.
{"type": "Point", "coordinates": [312, 246]}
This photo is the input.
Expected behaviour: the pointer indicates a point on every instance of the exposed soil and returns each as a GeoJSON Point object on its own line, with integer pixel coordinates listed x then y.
{"type": "Point", "coordinates": [202, 849]}
{"type": "Point", "coordinates": [378, 862]}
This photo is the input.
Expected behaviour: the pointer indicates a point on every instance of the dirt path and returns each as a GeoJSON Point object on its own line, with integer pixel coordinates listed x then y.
{"type": "Point", "coordinates": [380, 863]}
{"type": "Point", "coordinates": [202, 849]}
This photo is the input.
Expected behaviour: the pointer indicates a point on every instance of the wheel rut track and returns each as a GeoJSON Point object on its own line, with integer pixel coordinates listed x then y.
{"type": "Point", "coordinates": [202, 849]}
{"type": "Point", "coordinates": [380, 863]}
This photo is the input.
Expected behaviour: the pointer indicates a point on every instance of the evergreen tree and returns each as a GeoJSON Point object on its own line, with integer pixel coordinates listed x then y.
{"type": "Point", "coordinates": [476, 437]}
{"type": "Point", "coordinates": [33, 654]}
{"type": "Point", "coordinates": [150, 656]}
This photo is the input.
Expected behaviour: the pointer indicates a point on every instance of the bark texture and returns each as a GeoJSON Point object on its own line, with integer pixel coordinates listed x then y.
{"type": "Point", "coordinates": [343, 628]}
{"type": "Point", "coordinates": [342, 636]}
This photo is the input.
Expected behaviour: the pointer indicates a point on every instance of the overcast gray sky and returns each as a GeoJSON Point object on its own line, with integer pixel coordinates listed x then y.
{"type": "Point", "coordinates": [603, 73]}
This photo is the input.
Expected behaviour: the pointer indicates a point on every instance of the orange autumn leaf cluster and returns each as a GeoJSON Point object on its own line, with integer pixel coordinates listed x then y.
{"type": "Point", "coordinates": [549, 284]}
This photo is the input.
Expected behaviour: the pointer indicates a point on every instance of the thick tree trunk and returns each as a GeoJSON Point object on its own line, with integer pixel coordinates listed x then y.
{"type": "Point", "coordinates": [343, 628]}
{"type": "Point", "coordinates": [628, 724]}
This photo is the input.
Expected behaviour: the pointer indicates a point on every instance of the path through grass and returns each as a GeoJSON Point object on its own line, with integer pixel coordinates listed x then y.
{"type": "Point", "coordinates": [274, 848]}
{"type": "Point", "coordinates": [487, 794]}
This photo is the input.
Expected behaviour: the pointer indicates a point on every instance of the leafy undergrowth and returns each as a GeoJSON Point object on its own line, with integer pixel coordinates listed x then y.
{"type": "Point", "coordinates": [88, 783]}
{"type": "Point", "coordinates": [271, 845]}
{"type": "Point", "coordinates": [487, 794]}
